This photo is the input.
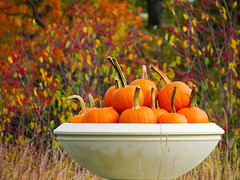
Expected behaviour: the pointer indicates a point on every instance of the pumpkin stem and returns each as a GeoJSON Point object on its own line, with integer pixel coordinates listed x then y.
{"type": "Point", "coordinates": [153, 102]}
{"type": "Point", "coordinates": [119, 70]}
{"type": "Point", "coordinates": [112, 62]}
{"type": "Point", "coordinates": [163, 76]}
{"type": "Point", "coordinates": [120, 73]}
{"type": "Point", "coordinates": [100, 104]}
{"type": "Point", "coordinates": [136, 98]}
{"type": "Point", "coordinates": [193, 97]}
{"type": "Point", "coordinates": [173, 110]}
{"type": "Point", "coordinates": [91, 100]}
{"type": "Point", "coordinates": [144, 72]}
{"type": "Point", "coordinates": [117, 85]}
{"type": "Point", "coordinates": [80, 100]}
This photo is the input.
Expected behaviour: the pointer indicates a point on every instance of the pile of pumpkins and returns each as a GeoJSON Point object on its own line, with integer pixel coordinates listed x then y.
{"type": "Point", "coordinates": [141, 102]}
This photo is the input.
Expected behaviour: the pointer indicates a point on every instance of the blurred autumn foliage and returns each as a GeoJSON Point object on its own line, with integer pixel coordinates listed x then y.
{"type": "Point", "coordinates": [51, 49]}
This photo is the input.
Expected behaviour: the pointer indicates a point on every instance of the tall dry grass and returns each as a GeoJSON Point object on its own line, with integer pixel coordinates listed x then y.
{"type": "Point", "coordinates": [27, 161]}
{"type": "Point", "coordinates": [30, 162]}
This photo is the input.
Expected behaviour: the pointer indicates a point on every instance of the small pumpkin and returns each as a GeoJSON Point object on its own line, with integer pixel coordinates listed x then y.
{"type": "Point", "coordinates": [183, 93]}
{"type": "Point", "coordinates": [78, 118]}
{"type": "Point", "coordinates": [137, 114]}
{"type": "Point", "coordinates": [146, 86]}
{"type": "Point", "coordinates": [172, 117]}
{"type": "Point", "coordinates": [101, 115]}
{"type": "Point", "coordinates": [158, 111]}
{"type": "Point", "coordinates": [109, 92]}
{"type": "Point", "coordinates": [122, 98]}
{"type": "Point", "coordinates": [194, 114]}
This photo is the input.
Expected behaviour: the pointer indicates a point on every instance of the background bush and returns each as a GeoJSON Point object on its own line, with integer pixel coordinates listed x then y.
{"type": "Point", "coordinates": [56, 48]}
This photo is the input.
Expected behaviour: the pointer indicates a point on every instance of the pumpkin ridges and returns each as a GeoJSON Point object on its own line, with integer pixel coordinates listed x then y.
{"type": "Point", "coordinates": [76, 119]}
{"type": "Point", "coordinates": [182, 98]}
{"type": "Point", "coordinates": [101, 115]}
{"type": "Point", "coordinates": [126, 93]}
{"type": "Point", "coordinates": [137, 114]}
{"type": "Point", "coordinates": [183, 94]}
{"type": "Point", "coordinates": [109, 92]}
{"type": "Point", "coordinates": [172, 117]}
{"type": "Point", "coordinates": [194, 114]}
{"type": "Point", "coordinates": [145, 85]}
{"type": "Point", "coordinates": [125, 97]}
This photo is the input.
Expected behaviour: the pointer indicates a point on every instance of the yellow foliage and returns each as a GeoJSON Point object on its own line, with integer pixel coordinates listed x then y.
{"type": "Point", "coordinates": [74, 106]}
{"type": "Point", "coordinates": [185, 44]}
{"type": "Point", "coordinates": [160, 41]}
{"type": "Point", "coordinates": [10, 59]}
{"type": "Point", "coordinates": [185, 16]}
{"type": "Point", "coordinates": [184, 29]}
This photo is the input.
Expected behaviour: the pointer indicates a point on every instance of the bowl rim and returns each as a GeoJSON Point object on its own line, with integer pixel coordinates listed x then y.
{"type": "Point", "coordinates": [108, 129]}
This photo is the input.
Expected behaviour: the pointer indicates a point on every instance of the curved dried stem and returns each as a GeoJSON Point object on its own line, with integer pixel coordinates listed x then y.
{"type": "Point", "coordinates": [136, 98]}
{"type": "Point", "coordinates": [173, 110]}
{"type": "Point", "coordinates": [80, 100]}
{"type": "Point", "coordinates": [153, 102]}
{"type": "Point", "coordinates": [144, 72]}
{"type": "Point", "coordinates": [119, 70]}
{"type": "Point", "coordinates": [111, 61]}
{"type": "Point", "coordinates": [163, 76]}
{"type": "Point", "coordinates": [120, 73]}
{"type": "Point", "coordinates": [91, 100]}
{"type": "Point", "coordinates": [193, 102]}
{"type": "Point", "coordinates": [118, 84]}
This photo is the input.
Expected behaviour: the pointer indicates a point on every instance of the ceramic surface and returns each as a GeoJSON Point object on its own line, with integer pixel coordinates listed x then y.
{"type": "Point", "coordinates": [139, 151]}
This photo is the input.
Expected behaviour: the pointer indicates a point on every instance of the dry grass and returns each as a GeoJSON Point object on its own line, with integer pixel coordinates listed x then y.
{"type": "Point", "coordinates": [29, 162]}
{"type": "Point", "coordinates": [222, 163]}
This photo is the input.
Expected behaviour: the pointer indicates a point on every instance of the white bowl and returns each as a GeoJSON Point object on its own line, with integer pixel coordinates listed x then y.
{"type": "Point", "coordinates": [139, 151]}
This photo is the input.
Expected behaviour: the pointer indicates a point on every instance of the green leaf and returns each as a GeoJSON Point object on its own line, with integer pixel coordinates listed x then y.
{"type": "Point", "coordinates": [53, 34]}
{"type": "Point", "coordinates": [52, 124]}
{"type": "Point", "coordinates": [118, 49]}
{"type": "Point", "coordinates": [59, 95]}
{"type": "Point", "coordinates": [50, 59]}
{"type": "Point", "coordinates": [154, 60]}
{"type": "Point", "coordinates": [128, 70]}
{"type": "Point", "coordinates": [115, 53]}
{"type": "Point", "coordinates": [207, 60]}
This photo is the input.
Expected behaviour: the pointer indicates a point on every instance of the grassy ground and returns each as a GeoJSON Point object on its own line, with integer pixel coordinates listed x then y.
{"type": "Point", "coordinates": [30, 162]}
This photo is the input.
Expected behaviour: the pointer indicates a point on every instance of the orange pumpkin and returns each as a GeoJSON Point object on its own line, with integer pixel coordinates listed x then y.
{"type": "Point", "coordinates": [78, 118]}
{"type": "Point", "coordinates": [172, 117]}
{"type": "Point", "coordinates": [194, 114]}
{"type": "Point", "coordinates": [145, 86]}
{"type": "Point", "coordinates": [183, 93]}
{"type": "Point", "coordinates": [109, 92]}
{"type": "Point", "coordinates": [101, 115]}
{"type": "Point", "coordinates": [137, 114]}
{"type": "Point", "coordinates": [158, 111]}
{"type": "Point", "coordinates": [122, 98]}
